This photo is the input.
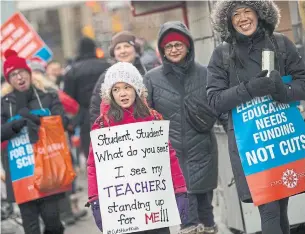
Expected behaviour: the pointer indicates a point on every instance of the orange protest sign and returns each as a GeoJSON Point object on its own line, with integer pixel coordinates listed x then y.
{"type": "Point", "coordinates": [18, 35]}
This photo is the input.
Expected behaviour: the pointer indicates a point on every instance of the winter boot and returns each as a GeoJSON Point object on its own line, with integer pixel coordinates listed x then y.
{"type": "Point", "coordinates": [211, 230]}
{"type": "Point", "coordinates": [189, 230]}
{"type": "Point", "coordinates": [78, 213]}
{"type": "Point", "coordinates": [200, 229]}
{"type": "Point", "coordinates": [65, 208]}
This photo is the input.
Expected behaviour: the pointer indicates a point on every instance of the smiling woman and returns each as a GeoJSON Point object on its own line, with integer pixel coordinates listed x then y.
{"type": "Point", "coordinates": [176, 46]}
{"type": "Point", "coordinates": [125, 52]}
{"type": "Point", "coordinates": [244, 20]}
{"type": "Point", "coordinates": [248, 27]}
{"type": "Point", "coordinates": [124, 47]}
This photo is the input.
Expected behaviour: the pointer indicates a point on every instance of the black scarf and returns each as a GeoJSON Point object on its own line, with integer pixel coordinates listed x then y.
{"type": "Point", "coordinates": [23, 98]}
{"type": "Point", "coordinates": [22, 105]}
{"type": "Point", "coordinates": [181, 69]}
{"type": "Point", "coordinates": [257, 35]}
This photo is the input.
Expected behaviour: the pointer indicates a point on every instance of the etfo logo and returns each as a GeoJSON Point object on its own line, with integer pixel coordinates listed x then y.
{"type": "Point", "coordinates": [290, 178]}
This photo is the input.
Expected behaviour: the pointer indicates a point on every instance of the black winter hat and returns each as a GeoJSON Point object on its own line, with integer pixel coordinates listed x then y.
{"type": "Point", "coordinates": [86, 46]}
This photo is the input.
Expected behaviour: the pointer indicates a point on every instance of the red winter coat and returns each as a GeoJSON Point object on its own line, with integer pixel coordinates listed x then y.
{"type": "Point", "coordinates": [69, 104]}
{"type": "Point", "coordinates": [177, 176]}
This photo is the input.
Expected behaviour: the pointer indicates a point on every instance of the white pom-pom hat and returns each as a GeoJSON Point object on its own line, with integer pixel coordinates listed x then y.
{"type": "Point", "coordinates": [122, 72]}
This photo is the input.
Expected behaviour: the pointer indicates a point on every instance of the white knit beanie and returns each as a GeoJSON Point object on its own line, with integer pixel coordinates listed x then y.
{"type": "Point", "coordinates": [122, 72]}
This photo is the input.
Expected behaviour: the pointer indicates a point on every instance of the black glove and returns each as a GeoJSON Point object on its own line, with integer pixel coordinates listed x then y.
{"type": "Point", "coordinates": [33, 130]}
{"type": "Point", "coordinates": [25, 112]}
{"type": "Point", "coordinates": [260, 85]}
{"type": "Point", "coordinates": [18, 124]}
{"type": "Point", "coordinates": [10, 129]}
{"type": "Point", "coordinates": [280, 94]}
{"type": "Point", "coordinates": [33, 124]}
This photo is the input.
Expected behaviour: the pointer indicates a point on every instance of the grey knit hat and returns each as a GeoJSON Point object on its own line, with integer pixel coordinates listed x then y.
{"type": "Point", "coordinates": [122, 72]}
{"type": "Point", "coordinates": [37, 66]}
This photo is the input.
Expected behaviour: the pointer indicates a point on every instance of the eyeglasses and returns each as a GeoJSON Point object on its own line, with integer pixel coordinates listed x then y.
{"type": "Point", "coordinates": [16, 73]}
{"type": "Point", "coordinates": [169, 47]}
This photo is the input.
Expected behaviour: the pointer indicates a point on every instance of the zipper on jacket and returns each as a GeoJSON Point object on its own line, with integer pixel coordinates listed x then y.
{"type": "Point", "coordinates": [11, 109]}
{"type": "Point", "coordinates": [183, 124]}
{"type": "Point", "coordinates": [201, 120]}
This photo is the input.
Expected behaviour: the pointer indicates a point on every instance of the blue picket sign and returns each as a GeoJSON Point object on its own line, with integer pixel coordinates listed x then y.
{"type": "Point", "coordinates": [20, 150]}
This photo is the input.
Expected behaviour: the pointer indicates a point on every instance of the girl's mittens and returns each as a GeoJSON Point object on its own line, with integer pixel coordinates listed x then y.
{"type": "Point", "coordinates": [95, 206]}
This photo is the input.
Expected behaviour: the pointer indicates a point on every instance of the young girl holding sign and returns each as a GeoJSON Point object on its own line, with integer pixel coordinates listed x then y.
{"type": "Point", "coordinates": [123, 102]}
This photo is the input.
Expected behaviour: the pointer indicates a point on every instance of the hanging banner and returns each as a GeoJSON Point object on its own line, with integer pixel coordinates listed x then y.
{"type": "Point", "coordinates": [270, 138]}
{"type": "Point", "coordinates": [134, 178]}
{"type": "Point", "coordinates": [22, 165]}
{"type": "Point", "coordinates": [17, 34]}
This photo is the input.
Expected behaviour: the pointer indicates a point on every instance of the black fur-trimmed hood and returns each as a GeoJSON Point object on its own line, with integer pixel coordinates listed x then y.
{"type": "Point", "coordinates": [268, 12]}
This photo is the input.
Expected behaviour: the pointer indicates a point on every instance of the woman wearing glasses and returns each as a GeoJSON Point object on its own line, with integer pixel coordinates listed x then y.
{"type": "Point", "coordinates": [20, 96]}
{"type": "Point", "coordinates": [180, 81]}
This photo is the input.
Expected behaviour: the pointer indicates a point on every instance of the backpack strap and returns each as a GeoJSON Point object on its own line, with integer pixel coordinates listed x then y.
{"type": "Point", "coordinates": [280, 45]}
{"type": "Point", "coordinates": [279, 37]}
{"type": "Point", "coordinates": [227, 63]}
{"type": "Point", "coordinates": [226, 56]}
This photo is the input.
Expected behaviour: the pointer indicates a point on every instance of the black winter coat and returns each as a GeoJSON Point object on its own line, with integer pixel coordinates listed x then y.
{"type": "Point", "coordinates": [8, 109]}
{"type": "Point", "coordinates": [96, 95]}
{"type": "Point", "coordinates": [81, 78]}
{"type": "Point", "coordinates": [197, 152]}
{"type": "Point", "coordinates": [226, 90]}
{"type": "Point", "coordinates": [79, 83]}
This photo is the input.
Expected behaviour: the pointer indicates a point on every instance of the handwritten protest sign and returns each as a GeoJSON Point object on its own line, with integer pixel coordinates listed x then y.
{"type": "Point", "coordinates": [17, 34]}
{"type": "Point", "coordinates": [270, 137]}
{"type": "Point", "coordinates": [22, 165]}
{"type": "Point", "coordinates": [134, 179]}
